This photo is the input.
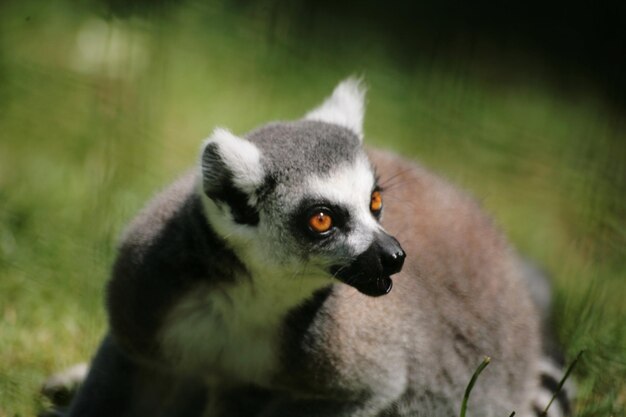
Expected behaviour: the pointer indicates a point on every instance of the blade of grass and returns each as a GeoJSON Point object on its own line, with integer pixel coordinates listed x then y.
{"type": "Point", "coordinates": [562, 382]}
{"type": "Point", "coordinates": [471, 383]}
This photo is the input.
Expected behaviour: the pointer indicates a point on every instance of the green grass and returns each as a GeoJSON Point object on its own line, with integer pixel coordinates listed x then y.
{"type": "Point", "coordinates": [471, 383]}
{"type": "Point", "coordinates": [86, 139]}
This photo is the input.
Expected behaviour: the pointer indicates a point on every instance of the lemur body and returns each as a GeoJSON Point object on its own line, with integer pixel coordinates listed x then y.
{"type": "Point", "coordinates": [261, 285]}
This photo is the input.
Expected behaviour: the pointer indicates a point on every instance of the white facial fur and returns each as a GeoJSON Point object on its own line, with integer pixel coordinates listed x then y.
{"type": "Point", "coordinates": [345, 107]}
{"type": "Point", "coordinates": [350, 186]}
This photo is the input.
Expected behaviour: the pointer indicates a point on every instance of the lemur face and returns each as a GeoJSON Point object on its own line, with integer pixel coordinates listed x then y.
{"type": "Point", "coordinates": [302, 197]}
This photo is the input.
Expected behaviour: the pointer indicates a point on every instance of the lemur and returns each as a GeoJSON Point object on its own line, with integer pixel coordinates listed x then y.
{"type": "Point", "coordinates": [294, 273]}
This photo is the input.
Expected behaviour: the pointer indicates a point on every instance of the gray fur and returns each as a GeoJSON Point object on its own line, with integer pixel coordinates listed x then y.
{"type": "Point", "coordinates": [219, 292]}
{"type": "Point", "coordinates": [305, 147]}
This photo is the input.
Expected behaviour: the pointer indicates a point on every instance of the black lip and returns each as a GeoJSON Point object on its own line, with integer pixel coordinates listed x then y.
{"type": "Point", "coordinates": [370, 286]}
{"type": "Point", "coordinates": [376, 287]}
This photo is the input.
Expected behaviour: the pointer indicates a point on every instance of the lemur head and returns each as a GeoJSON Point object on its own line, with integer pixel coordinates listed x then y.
{"type": "Point", "coordinates": [303, 196]}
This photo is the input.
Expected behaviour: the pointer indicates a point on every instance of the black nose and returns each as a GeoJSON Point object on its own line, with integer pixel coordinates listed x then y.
{"type": "Point", "coordinates": [370, 271]}
{"type": "Point", "coordinates": [391, 254]}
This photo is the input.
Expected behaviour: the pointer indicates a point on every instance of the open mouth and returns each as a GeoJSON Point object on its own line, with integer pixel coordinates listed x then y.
{"type": "Point", "coordinates": [372, 286]}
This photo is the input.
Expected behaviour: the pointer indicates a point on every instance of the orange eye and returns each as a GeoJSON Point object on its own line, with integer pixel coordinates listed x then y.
{"type": "Point", "coordinates": [376, 204]}
{"type": "Point", "coordinates": [320, 222]}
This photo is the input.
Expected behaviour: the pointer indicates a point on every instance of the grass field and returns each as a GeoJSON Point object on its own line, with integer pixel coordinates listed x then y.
{"type": "Point", "coordinates": [97, 114]}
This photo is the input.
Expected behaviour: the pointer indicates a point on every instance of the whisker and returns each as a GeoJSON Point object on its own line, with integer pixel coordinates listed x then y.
{"type": "Point", "coordinates": [396, 184]}
{"type": "Point", "coordinates": [397, 174]}
{"type": "Point", "coordinates": [403, 201]}
{"type": "Point", "coordinates": [339, 270]}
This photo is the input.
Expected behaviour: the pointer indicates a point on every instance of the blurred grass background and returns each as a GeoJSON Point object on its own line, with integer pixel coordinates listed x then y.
{"type": "Point", "coordinates": [104, 103]}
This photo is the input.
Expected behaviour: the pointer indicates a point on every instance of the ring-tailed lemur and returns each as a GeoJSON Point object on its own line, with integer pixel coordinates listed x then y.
{"type": "Point", "coordinates": [260, 284]}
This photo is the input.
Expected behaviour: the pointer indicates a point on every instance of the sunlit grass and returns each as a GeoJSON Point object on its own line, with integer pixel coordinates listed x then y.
{"type": "Point", "coordinates": [83, 145]}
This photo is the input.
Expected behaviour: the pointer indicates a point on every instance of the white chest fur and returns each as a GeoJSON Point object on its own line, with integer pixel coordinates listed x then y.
{"type": "Point", "coordinates": [233, 332]}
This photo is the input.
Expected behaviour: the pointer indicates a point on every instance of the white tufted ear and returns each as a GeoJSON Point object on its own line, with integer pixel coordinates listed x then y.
{"type": "Point", "coordinates": [345, 107]}
{"type": "Point", "coordinates": [230, 161]}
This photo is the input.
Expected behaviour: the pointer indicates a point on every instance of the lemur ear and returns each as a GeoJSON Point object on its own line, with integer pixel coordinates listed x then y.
{"type": "Point", "coordinates": [345, 107]}
{"type": "Point", "coordinates": [231, 173]}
